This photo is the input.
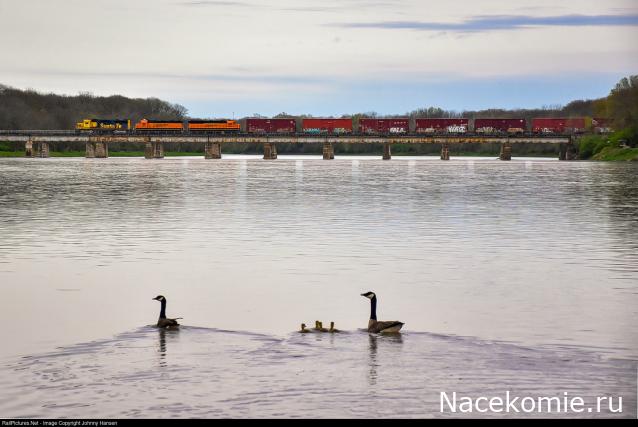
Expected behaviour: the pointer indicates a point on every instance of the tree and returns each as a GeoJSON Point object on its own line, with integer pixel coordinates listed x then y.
{"type": "Point", "coordinates": [622, 104]}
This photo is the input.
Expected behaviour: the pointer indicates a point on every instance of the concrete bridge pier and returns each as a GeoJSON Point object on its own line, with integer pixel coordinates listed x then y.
{"type": "Point", "coordinates": [445, 152]}
{"type": "Point", "coordinates": [101, 149]}
{"type": "Point", "coordinates": [90, 150]}
{"type": "Point", "coordinates": [567, 152]}
{"type": "Point", "coordinates": [506, 151]}
{"type": "Point", "coordinates": [97, 149]}
{"type": "Point", "coordinates": [28, 149]}
{"type": "Point", "coordinates": [387, 154]}
{"type": "Point", "coordinates": [41, 149]}
{"type": "Point", "coordinates": [213, 150]}
{"type": "Point", "coordinates": [154, 150]}
{"type": "Point", "coordinates": [328, 151]}
{"type": "Point", "coordinates": [270, 151]}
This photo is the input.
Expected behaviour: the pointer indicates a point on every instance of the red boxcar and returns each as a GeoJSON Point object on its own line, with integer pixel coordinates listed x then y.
{"type": "Point", "coordinates": [327, 126]}
{"type": "Point", "coordinates": [601, 125]}
{"type": "Point", "coordinates": [513, 126]}
{"type": "Point", "coordinates": [384, 126]}
{"type": "Point", "coordinates": [271, 126]}
{"type": "Point", "coordinates": [558, 125]}
{"type": "Point", "coordinates": [442, 125]}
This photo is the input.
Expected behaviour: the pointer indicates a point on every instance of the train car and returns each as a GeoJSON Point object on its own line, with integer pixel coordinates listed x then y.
{"type": "Point", "coordinates": [601, 125]}
{"type": "Point", "coordinates": [384, 126]}
{"type": "Point", "coordinates": [576, 125]}
{"type": "Point", "coordinates": [213, 126]}
{"type": "Point", "coordinates": [558, 125]}
{"type": "Point", "coordinates": [271, 126]}
{"type": "Point", "coordinates": [500, 126]}
{"type": "Point", "coordinates": [145, 125]}
{"type": "Point", "coordinates": [104, 125]}
{"type": "Point", "coordinates": [442, 126]}
{"type": "Point", "coordinates": [327, 126]}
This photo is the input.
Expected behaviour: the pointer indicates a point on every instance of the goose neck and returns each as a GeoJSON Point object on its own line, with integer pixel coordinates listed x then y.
{"type": "Point", "coordinates": [163, 311]}
{"type": "Point", "coordinates": [373, 308]}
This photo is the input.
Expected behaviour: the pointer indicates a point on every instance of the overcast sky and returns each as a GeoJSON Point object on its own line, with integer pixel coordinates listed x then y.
{"type": "Point", "coordinates": [220, 58]}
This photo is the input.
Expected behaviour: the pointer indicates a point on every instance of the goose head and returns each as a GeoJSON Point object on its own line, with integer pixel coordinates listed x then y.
{"type": "Point", "coordinates": [369, 295]}
{"type": "Point", "coordinates": [160, 298]}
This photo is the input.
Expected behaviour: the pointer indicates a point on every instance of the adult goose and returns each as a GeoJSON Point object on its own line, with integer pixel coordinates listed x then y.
{"type": "Point", "coordinates": [164, 322]}
{"type": "Point", "coordinates": [391, 326]}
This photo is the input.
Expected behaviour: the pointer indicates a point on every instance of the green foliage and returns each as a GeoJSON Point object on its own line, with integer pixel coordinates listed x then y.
{"type": "Point", "coordinates": [611, 153]}
{"type": "Point", "coordinates": [590, 145]}
{"type": "Point", "coordinates": [622, 105]}
{"type": "Point", "coordinates": [627, 136]}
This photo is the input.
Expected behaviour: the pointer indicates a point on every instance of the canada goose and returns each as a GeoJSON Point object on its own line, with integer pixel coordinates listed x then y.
{"type": "Point", "coordinates": [373, 324]}
{"type": "Point", "coordinates": [303, 329]}
{"type": "Point", "coordinates": [163, 322]}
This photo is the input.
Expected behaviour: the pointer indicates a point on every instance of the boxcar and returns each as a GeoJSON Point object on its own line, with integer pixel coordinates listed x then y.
{"type": "Point", "coordinates": [438, 126]}
{"type": "Point", "coordinates": [145, 125]}
{"type": "Point", "coordinates": [271, 126]}
{"type": "Point", "coordinates": [558, 125]}
{"type": "Point", "coordinates": [500, 126]}
{"type": "Point", "coordinates": [213, 126]}
{"type": "Point", "coordinates": [384, 126]}
{"type": "Point", "coordinates": [327, 126]}
{"type": "Point", "coordinates": [601, 125]}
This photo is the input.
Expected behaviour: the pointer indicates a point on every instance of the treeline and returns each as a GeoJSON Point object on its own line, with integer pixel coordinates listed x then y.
{"type": "Point", "coordinates": [28, 109]}
{"type": "Point", "coordinates": [621, 107]}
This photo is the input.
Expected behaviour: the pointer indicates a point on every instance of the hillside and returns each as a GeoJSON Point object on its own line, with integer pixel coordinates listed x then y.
{"type": "Point", "coordinates": [27, 109]}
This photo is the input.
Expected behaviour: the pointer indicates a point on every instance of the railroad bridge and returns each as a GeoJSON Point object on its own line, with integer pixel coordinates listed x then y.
{"type": "Point", "coordinates": [37, 143]}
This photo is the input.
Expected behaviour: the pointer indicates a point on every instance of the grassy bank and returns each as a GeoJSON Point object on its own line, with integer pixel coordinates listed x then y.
{"type": "Point", "coordinates": [608, 147]}
{"type": "Point", "coordinates": [617, 154]}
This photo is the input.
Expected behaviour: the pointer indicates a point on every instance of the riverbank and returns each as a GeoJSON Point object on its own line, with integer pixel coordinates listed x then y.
{"type": "Point", "coordinates": [617, 154]}
{"type": "Point", "coordinates": [610, 148]}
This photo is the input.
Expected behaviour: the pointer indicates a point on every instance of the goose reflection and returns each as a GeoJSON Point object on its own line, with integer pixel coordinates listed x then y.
{"type": "Point", "coordinates": [387, 342]}
{"type": "Point", "coordinates": [165, 334]}
{"type": "Point", "coordinates": [372, 345]}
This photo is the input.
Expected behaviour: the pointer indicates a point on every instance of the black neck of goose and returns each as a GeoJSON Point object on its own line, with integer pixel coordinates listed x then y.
{"type": "Point", "coordinates": [373, 308]}
{"type": "Point", "coordinates": [163, 312]}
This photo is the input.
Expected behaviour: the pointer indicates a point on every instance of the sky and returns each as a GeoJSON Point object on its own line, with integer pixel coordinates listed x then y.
{"type": "Point", "coordinates": [226, 58]}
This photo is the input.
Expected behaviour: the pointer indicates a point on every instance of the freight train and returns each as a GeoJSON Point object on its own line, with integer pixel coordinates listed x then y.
{"type": "Point", "coordinates": [366, 126]}
{"type": "Point", "coordinates": [157, 126]}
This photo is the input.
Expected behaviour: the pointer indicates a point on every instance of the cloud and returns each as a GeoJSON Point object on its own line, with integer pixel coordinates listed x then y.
{"type": "Point", "coordinates": [217, 3]}
{"type": "Point", "coordinates": [500, 22]}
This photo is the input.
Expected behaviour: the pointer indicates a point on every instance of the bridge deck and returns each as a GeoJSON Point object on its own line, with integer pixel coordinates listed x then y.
{"type": "Point", "coordinates": [72, 136]}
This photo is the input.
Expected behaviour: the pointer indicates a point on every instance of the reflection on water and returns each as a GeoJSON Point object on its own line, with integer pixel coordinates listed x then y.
{"type": "Point", "coordinates": [386, 340]}
{"type": "Point", "coordinates": [373, 358]}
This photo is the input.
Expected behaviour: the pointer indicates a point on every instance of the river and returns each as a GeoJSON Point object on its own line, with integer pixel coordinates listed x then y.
{"type": "Point", "coordinates": [518, 276]}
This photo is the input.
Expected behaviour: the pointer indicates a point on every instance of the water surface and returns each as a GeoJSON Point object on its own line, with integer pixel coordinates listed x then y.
{"type": "Point", "coordinates": [529, 255]}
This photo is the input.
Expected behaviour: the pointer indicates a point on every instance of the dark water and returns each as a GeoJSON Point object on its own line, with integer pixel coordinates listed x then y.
{"type": "Point", "coordinates": [519, 276]}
